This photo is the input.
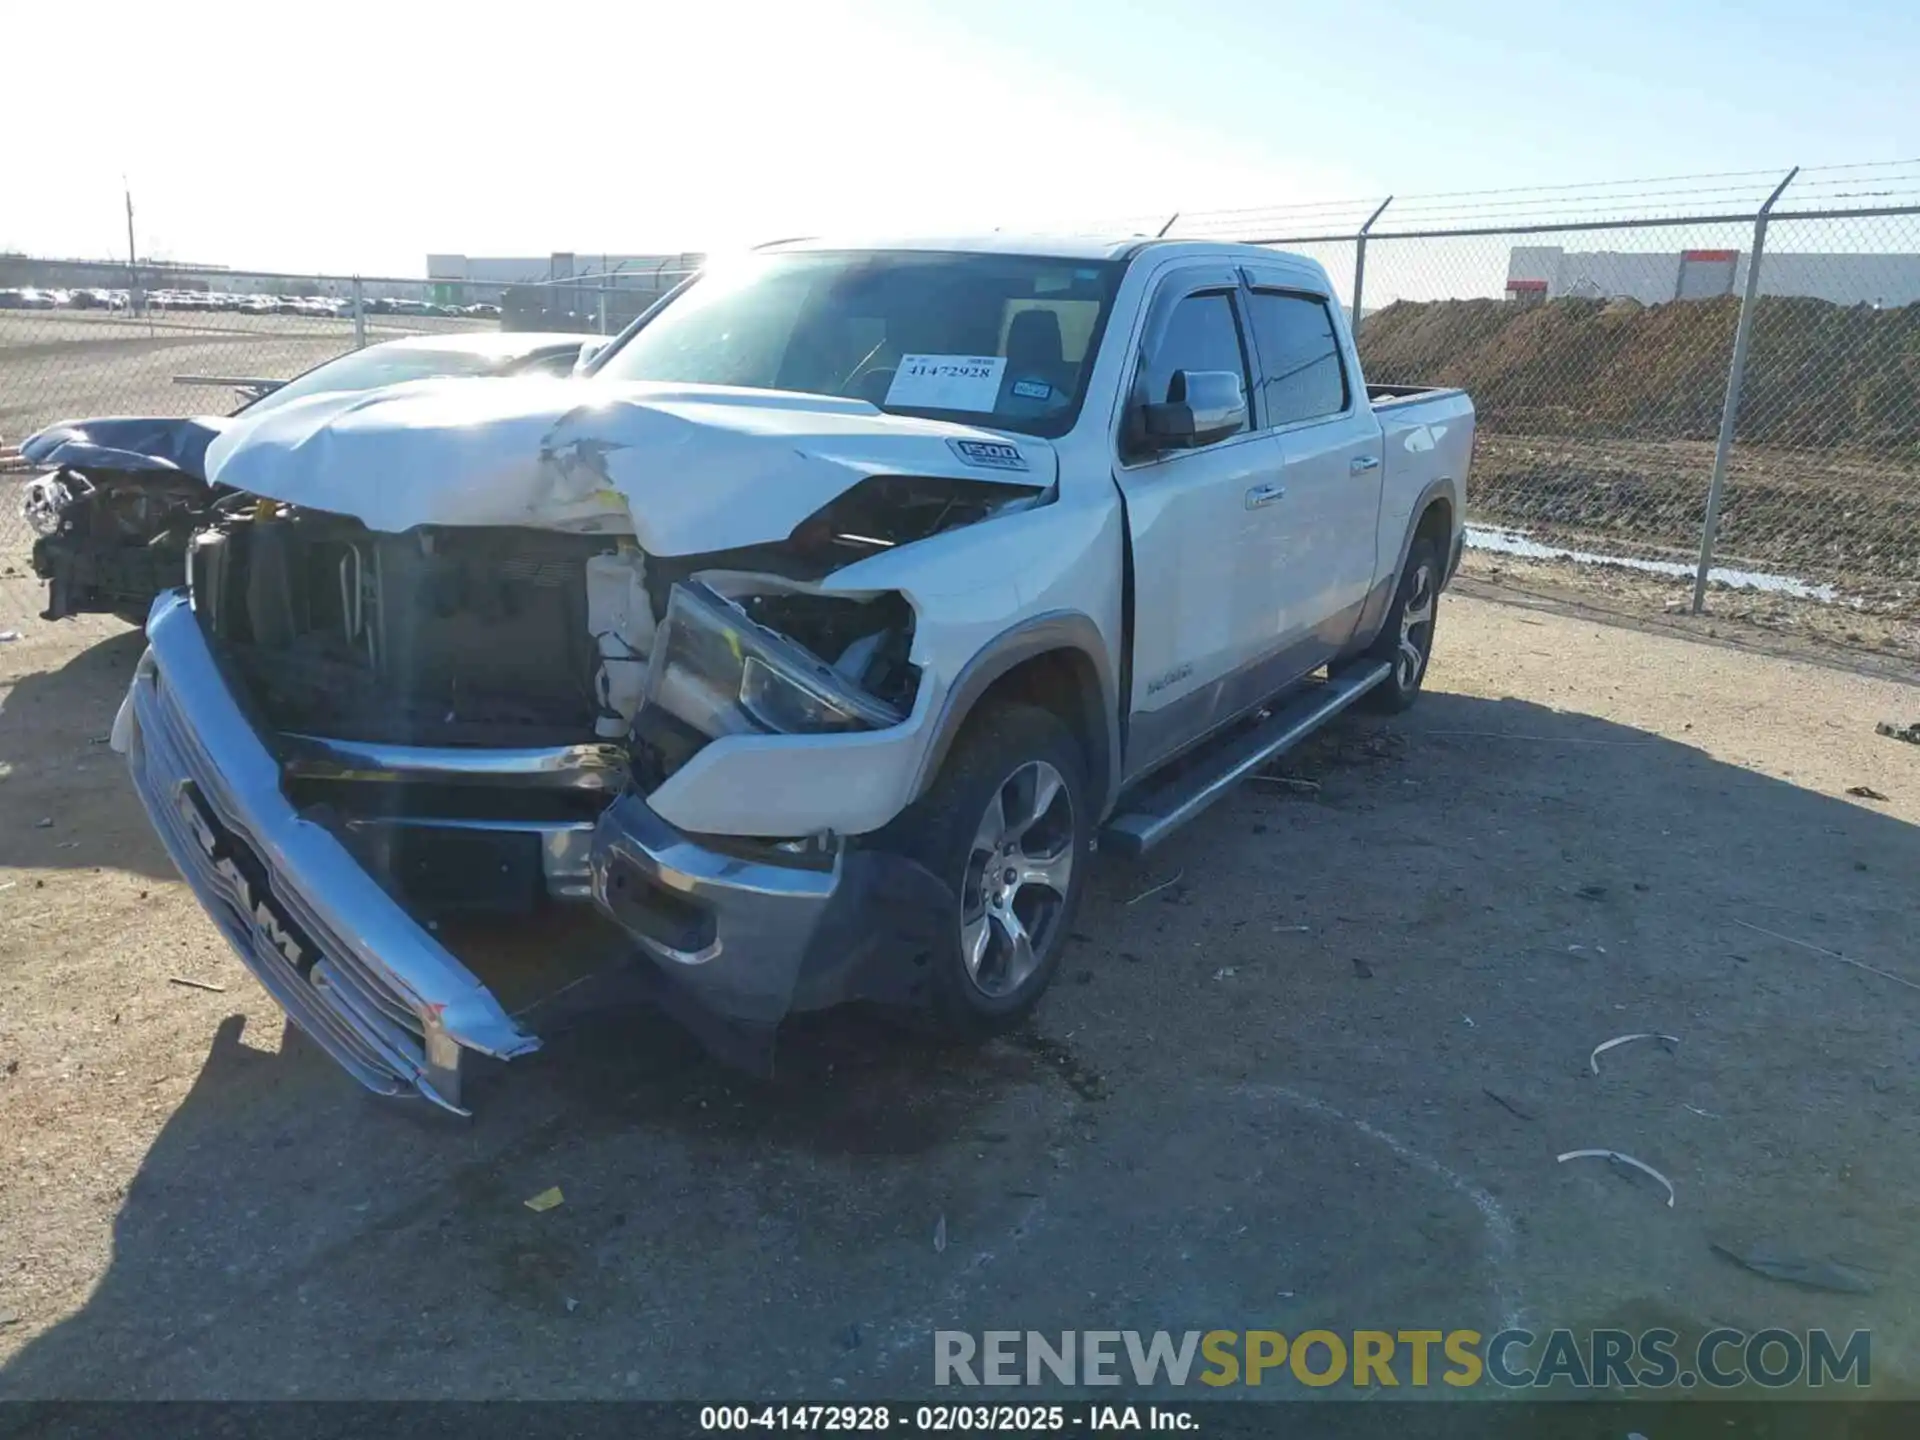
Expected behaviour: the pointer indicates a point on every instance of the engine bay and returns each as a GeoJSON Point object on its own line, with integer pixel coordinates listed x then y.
{"type": "Point", "coordinates": [502, 637]}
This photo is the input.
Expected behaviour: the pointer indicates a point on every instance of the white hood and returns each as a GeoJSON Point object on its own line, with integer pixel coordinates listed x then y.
{"type": "Point", "coordinates": [686, 468]}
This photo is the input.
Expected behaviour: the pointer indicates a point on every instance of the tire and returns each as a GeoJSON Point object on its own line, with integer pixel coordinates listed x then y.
{"type": "Point", "coordinates": [1406, 639]}
{"type": "Point", "coordinates": [1011, 760]}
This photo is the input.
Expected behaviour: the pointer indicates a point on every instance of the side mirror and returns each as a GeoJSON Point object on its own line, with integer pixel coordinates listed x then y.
{"type": "Point", "coordinates": [1202, 406]}
{"type": "Point", "coordinates": [589, 352]}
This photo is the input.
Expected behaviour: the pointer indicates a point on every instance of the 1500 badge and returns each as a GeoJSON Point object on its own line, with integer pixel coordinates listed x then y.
{"type": "Point", "coordinates": [994, 454]}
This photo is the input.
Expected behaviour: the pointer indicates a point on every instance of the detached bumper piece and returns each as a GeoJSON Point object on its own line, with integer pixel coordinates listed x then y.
{"type": "Point", "coordinates": [348, 965]}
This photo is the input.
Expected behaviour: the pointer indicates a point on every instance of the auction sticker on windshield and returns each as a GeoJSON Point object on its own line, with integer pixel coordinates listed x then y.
{"type": "Point", "coordinates": [947, 382]}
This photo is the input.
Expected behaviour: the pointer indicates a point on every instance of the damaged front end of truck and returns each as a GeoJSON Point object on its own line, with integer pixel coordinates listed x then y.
{"type": "Point", "coordinates": [456, 655]}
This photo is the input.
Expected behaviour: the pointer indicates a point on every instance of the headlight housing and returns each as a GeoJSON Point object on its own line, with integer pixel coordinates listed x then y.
{"type": "Point", "coordinates": [717, 670]}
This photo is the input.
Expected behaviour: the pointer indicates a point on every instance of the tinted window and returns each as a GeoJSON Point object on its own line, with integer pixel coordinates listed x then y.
{"type": "Point", "coordinates": [1203, 333]}
{"type": "Point", "coordinates": [1004, 339]}
{"type": "Point", "coordinates": [1301, 353]}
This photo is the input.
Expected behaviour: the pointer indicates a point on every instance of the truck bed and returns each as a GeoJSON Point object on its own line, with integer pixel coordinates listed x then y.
{"type": "Point", "coordinates": [1383, 396]}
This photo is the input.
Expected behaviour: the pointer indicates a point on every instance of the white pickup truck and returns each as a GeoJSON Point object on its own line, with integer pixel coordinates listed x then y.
{"type": "Point", "coordinates": [817, 635]}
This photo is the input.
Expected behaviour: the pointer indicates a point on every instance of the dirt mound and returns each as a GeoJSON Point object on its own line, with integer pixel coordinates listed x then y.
{"type": "Point", "coordinates": [1818, 374]}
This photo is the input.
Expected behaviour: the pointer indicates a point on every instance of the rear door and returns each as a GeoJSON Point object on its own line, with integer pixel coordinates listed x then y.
{"type": "Point", "coordinates": [1205, 542]}
{"type": "Point", "coordinates": [1317, 411]}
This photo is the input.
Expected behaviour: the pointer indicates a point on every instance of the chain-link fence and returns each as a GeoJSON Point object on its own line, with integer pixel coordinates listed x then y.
{"type": "Point", "coordinates": [1596, 328]}
{"type": "Point", "coordinates": [81, 340]}
{"type": "Point", "coordinates": [1599, 345]}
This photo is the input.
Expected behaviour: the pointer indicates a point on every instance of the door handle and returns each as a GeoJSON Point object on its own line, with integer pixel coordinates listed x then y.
{"type": "Point", "coordinates": [1265, 495]}
{"type": "Point", "coordinates": [1363, 463]}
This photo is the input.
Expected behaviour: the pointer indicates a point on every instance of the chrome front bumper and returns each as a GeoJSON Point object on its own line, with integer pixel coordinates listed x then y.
{"type": "Point", "coordinates": [344, 960]}
{"type": "Point", "coordinates": [746, 941]}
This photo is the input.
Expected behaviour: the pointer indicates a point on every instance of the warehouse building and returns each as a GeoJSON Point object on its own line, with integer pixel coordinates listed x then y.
{"type": "Point", "coordinates": [1539, 272]}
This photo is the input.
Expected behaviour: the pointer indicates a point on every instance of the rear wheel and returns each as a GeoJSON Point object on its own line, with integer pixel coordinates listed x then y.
{"type": "Point", "coordinates": [1406, 639]}
{"type": "Point", "coordinates": [1007, 826]}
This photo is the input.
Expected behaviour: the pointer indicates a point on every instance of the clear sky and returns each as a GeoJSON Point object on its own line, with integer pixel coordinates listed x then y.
{"type": "Point", "coordinates": [347, 136]}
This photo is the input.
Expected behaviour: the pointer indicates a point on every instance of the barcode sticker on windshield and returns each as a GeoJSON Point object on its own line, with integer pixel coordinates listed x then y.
{"type": "Point", "coordinates": [947, 382]}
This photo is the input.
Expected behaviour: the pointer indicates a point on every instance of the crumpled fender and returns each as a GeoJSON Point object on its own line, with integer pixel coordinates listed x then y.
{"type": "Point", "coordinates": [687, 469]}
{"type": "Point", "coordinates": [132, 443]}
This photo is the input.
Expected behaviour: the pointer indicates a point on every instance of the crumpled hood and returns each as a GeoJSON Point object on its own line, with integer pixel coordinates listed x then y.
{"type": "Point", "coordinates": [126, 442]}
{"type": "Point", "coordinates": [686, 468]}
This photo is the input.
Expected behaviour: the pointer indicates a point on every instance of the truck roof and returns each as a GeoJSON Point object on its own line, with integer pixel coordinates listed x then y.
{"type": "Point", "coordinates": [1064, 247]}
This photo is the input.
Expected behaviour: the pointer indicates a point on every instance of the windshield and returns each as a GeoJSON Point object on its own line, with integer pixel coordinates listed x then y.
{"type": "Point", "coordinates": [370, 369]}
{"type": "Point", "coordinates": [999, 340]}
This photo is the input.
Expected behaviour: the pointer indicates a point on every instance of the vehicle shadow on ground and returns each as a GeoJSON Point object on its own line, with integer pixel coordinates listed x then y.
{"type": "Point", "coordinates": [284, 1236]}
{"type": "Point", "coordinates": [53, 734]}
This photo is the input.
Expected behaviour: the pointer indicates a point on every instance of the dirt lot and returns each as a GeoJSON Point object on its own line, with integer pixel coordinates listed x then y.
{"type": "Point", "coordinates": [1320, 1078]}
{"type": "Point", "coordinates": [1824, 517]}
{"type": "Point", "coordinates": [63, 365]}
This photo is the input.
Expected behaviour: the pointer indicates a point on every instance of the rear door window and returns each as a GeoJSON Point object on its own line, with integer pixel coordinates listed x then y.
{"type": "Point", "coordinates": [1306, 378]}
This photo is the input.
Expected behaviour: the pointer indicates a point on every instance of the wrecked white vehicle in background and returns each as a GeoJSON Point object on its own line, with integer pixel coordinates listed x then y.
{"type": "Point", "coordinates": [813, 638]}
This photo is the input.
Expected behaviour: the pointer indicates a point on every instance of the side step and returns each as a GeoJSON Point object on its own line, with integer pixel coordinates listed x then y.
{"type": "Point", "coordinates": [1156, 813]}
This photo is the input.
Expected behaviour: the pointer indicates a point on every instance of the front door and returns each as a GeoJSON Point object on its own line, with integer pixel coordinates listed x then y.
{"type": "Point", "coordinates": [1207, 531]}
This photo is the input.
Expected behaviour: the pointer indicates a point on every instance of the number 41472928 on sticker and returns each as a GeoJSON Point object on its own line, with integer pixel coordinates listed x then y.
{"type": "Point", "coordinates": [947, 382]}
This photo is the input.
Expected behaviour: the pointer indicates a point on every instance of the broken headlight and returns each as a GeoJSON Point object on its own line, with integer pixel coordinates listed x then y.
{"type": "Point", "coordinates": [716, 669]}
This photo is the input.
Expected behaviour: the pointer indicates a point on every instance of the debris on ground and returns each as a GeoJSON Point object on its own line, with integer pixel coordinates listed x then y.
{"type": "Point", "coordinates": [1623, 1159]}
{"type": "Point", "coordinates": [572, 1304]}
{"type": "Point", "coordinates": [1796, 1270]}
{"type": "Point", "coordinates": [940, 1235]}
{"type": "Point", "coordinates": [1592, 892]}
{"type": "Point", "coordinates": [45, 822]}
{"type": "Point", "coordinates": [546, 1200]}
{"type": "Point", "coordinates": [1707, 1114]}
{"type": "Point", "coordinates": [1226, 972]}
{"type": "Point", "coordinates": [9, 1317]}
{"type": "Point", "coordinates": [1593, 1060]}
{"type": "Point", "coordinates": [1865, 792]}
{"type": "Point", "coordinates": [1294, 783]}
{"type": "Point", "coordinates": [1362, 969]}
{"type": "Point", "coordinates": [1908, 733]}
{"type": "Point", "coordinates": [193, 984]}
{"type": "Point", "coordinates": [850, 1338]}
{"type": "Point", "coordinates": [1178, 876]}
{"type": "Point", "coordinates": [7, 636]}
{"type": "Point", "coordinates": [1505, 1104]}
{"type": "Point", "coordinates": [1830, 954]}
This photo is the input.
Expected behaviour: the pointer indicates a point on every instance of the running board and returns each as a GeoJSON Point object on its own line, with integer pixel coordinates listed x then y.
{"type": "Point", "coordinates": [1152, 816]}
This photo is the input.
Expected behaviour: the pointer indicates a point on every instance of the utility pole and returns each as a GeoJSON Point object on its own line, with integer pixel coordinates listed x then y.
{"type": "Point", "coordinates": [133, 265]}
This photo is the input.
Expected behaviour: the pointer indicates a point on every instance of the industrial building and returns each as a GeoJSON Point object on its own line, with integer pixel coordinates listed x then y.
{"type": "Point", "coordinates": [1539, 272]}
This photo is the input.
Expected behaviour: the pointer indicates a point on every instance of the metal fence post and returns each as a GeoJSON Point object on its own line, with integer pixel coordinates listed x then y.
{"type": "Point", "coordinates": [1736, 372]}
{"type": "Point", "coordinates": [1360, 261]}
{"type": "Point", "coordinates": [359, 315]}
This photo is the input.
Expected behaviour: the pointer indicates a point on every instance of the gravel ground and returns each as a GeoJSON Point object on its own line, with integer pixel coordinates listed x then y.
{"type": "Point", "coordinates": [1320, 1078]}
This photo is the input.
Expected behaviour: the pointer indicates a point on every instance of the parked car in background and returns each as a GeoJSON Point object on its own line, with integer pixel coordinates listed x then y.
{"type": "Point", "coordinates": [815, 651]}
{"type": "Point", "coordinates": [26, 297]}
{"type": "Point", "coordinates": [117, 498]}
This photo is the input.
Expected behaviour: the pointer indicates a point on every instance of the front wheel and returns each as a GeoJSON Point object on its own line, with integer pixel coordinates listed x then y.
{"type": "Point", "coordinates": [1008, 826]}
